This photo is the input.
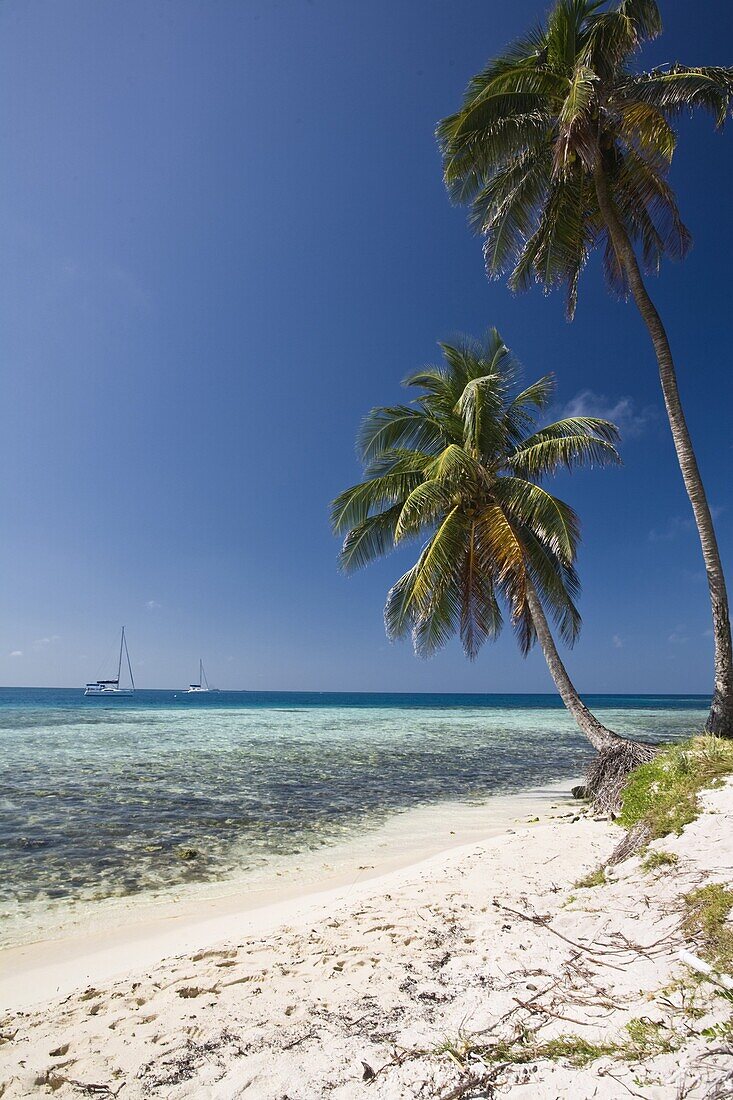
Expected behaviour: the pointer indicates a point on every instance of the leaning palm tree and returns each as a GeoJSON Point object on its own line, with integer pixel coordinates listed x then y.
{"type": "Point", "coordinates": [462, 466]}
{"type": "Point", "coordinates": [561, 146]}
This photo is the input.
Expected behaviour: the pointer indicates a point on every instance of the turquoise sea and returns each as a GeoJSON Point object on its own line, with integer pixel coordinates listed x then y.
{"type": "Point", "coordinates": [107, 799]}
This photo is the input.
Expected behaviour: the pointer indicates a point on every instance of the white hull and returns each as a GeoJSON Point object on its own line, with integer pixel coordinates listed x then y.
{"type": "Point", "coordinates": [117, 692]}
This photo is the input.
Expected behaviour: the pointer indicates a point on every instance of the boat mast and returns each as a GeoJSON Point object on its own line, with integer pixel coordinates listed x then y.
{"type": "Point", "coordinates": [202, 675]}
{"type": "Point", "coordinates": [119, 663]}
{"type": "Point", "coordinates": [129, 664]}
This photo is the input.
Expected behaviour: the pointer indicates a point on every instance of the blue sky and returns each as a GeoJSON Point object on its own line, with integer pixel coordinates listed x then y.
{"type": "Point", "coordinates": [224, 238]}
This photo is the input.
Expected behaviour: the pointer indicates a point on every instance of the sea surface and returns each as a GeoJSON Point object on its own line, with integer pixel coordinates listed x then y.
{"type": "Point", "coordinates": [103, 799]}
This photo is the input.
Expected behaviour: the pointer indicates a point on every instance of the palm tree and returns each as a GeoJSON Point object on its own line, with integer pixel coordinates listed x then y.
{"type": "Point", "coordinates": [559, 147]}
{"type": "Point", "coordinates": [462, 465]}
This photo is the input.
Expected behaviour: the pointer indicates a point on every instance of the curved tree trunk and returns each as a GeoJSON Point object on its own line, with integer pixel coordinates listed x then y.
{"type": "Point", "coordinates": [599, 737]}
{"type": "Point", "coordinates": [617, 756]}
{"type": "Point", "coordinates": [720, 719]}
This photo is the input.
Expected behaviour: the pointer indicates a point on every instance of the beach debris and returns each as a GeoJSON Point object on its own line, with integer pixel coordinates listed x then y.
{"type": "Point", "coordinates": [188, 853]}
{"type": "Point", "coordinates": [702, 967]}
{"type": "Point", "coordinates": [368, 1073]}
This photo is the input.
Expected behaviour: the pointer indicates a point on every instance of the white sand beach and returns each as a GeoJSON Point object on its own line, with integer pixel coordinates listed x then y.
{"type": "Point", "coordinates": [375, 987]}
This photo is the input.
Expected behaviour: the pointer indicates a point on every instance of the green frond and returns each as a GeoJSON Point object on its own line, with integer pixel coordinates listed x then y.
{"type": "Point", "coordinates": [479, 406]}
{"type": "Point", "coordinates": [550, 520]}
{"type": "Point", "coordinates": [425, 504]}
{"type": "Point", "coordinates": [567, 444]}
{"type": "Point", "coordinates": [557, 586]}
{"type": "Point", "coordinates": [501, 553]}
{"type": "Point", "coordinates": [481, 618]}
{"type": "Point", "coordinates": [521, 412]}
{"type": "Point", "coordinates": [354, 505]}
{"type": "Point", "coordinates": [397, 426]}
{"type": "Point", "coordinates": [577, 132]}
{"type": "Point", "coordinates": [456, 469]}
{"type": "Point", "coordinates": [438, 560]}
{"type": "Point", "coordinates": [399, 609]}
{"type": "Point", "coordinates": [371, 539]}
{"type": "Point", "coordinates": [643, 126]}
{"type": "Point", "coordinates": [681, 88]}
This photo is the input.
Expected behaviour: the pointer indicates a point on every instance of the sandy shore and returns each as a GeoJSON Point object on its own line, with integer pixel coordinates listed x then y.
{"type": "Point", "coordinates": [92, 942]}
{"type": "Point", "coordinates": [370, 988]}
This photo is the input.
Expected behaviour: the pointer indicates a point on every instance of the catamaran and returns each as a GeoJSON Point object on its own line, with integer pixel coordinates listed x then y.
{"type": "Point", "coordinates": [203, 685]}
{"type": "Point", "coordinates": [112, 687]}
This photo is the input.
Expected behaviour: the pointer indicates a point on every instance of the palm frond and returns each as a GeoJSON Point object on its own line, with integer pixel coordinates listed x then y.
{"type": "Point", "coordinates": [481, 618]}
{"type": "Point", "coordinates": [354, 505]}
{"type": "Point", "coordinates": [679, 88]}
{"type": "Point", "coordinates": [371, 539]}
{"type": "Point", "coordinates": [398, 426]}
{"type": "Point", "coordinates": [550, 520]}
{"type": "Point", "coordinates": [567, 444]}
{"type": "Point", "coordinates": [427, 502]}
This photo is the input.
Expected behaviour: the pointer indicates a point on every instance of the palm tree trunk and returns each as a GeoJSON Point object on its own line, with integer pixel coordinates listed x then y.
{"type": "Point", "coordinates": [720, 719]}
{"type": "Point", "coordinates": [599, 737]}
{"type": "Point", "coordinates": [617, 756]}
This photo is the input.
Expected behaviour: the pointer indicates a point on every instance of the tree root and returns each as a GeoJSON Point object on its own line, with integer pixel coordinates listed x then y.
{"type": "Point", "coordinates": [636, 838]}
{"type": "Point", "coordinates": [607, 774]}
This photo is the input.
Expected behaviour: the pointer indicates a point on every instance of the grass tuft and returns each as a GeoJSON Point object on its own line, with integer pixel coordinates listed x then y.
{"type": "Point", "coordinates": [593, 878]}
{"type": "Point", "coordinates": [656, 859]}
{"type": "Point", "coordinates": [645, 1039]}
{"type": "Point", "coordinates": [706, 920]}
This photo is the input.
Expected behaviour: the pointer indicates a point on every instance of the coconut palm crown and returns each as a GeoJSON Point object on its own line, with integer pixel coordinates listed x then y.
{"type": "Point", "coordinates": [561, 146]}
{"type": "Point", "coordinates": [558, 109]}
{"type": "Point", "coordinates": [461, 467]}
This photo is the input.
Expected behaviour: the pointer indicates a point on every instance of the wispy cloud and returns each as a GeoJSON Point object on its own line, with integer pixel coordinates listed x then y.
{"type": "Point", "coordinates": [41, 643]}
{"type": "Point", "coordinates": [153, 605]}
{"type": "Point", "coordinates": [623, 411]}
{"type": "Point", "coordinates": [617, 641]}
{"type": "Point", "coordinates": [681, 525]}
{"type": "Point", "coordinates": [678, 636]}
{"type": "Point", "coordinates": [17, 653]}
{"type": "Point", "coordinates": [675, 526]}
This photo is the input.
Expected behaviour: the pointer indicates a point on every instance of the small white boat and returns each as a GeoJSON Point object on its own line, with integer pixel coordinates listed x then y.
{"type": "Point", "coordinates": [202, 687]}
{"type": "Point", "coordinates": [111, 688]}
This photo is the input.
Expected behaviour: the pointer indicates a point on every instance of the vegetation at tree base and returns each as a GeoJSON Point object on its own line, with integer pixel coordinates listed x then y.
{"type": "Point", "coordinates": [461, 466]}
{"type": "Point", "coordinates": [559, 148]}
{"type": "Point", "coordinates": [661, 795]}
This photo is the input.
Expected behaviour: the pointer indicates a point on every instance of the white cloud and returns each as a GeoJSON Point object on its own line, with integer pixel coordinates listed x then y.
{"type": "Point", "coordinates": [630, 420]}
{"type": "Point", "coordinates": [678, 636]}
{"type": "Point", "coordinates": [617, 641]}
{"type": "Point", "coordinates": [41, 643]}
{"type": "Point", "coordinates": [17, 653]}
{"type": "Point", "coordinates": [153, 605]}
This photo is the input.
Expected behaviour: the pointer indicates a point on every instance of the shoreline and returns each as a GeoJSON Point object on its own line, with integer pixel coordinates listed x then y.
{"type": "Point", "coordinates": [503, 963]}
{"type": "Point", "coordinates": [101, 942]}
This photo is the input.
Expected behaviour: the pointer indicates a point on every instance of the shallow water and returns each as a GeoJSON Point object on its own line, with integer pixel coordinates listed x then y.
{"type": "Point", "coordinates": [104, 799]}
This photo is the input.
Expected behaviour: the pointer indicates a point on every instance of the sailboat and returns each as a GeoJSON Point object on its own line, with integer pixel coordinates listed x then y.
{"type": "Point", "coordinates": [112, 687]}
{"type": "Point", "coordinates": [202, 687]}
